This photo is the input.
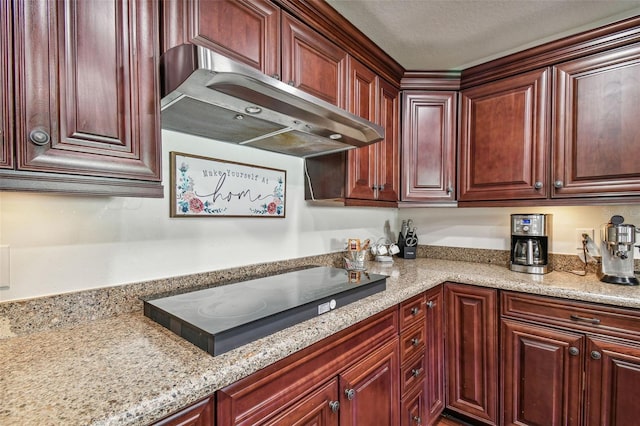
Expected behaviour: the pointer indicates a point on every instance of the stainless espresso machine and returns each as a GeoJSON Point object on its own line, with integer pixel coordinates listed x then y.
{"type": "Point", "coordinates": [530, 243]}
{"type": "Point", "coordinates": [618, 241]}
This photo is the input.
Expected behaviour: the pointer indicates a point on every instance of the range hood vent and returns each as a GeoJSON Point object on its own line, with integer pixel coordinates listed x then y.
{"type": "Point", "coordinates": [209, 95]}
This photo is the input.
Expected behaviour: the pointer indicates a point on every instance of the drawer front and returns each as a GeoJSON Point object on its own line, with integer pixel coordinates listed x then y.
{"type": "Point", "coordinates": [411, 374]}
{"type": "Point", "coordinates": [588, 317]}
{"type": "Point", "coordinates": [412, 341]}
{"type": "Point", "coordinates": [412, 311]}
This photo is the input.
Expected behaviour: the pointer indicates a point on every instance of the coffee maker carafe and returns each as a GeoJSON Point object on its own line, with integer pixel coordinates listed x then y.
{"type": "Point", "coordinates": [618, 240]}
{"type": "Point", "coordinates": [530, 243]}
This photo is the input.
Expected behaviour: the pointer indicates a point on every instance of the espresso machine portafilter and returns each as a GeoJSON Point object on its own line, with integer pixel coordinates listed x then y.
{"type": "Point", "coordinates": [618, 242]}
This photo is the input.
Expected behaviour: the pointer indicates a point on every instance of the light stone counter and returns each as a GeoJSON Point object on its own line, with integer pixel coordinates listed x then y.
{"type": "Point", "coordinates": [127, 370]}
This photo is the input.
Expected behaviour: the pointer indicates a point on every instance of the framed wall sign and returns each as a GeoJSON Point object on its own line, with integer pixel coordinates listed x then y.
{"type": "Point", "coordinates": [204, 187]}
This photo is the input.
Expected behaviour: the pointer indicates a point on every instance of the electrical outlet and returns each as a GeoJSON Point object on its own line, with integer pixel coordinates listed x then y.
{"type": "Point", "coordinates": [579, 232]}
{"type": "Point", "coordinates": [4, 268]}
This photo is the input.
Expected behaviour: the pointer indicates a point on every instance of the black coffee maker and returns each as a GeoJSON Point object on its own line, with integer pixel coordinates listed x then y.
{"type": "Point", "coordinates": [530, 243]}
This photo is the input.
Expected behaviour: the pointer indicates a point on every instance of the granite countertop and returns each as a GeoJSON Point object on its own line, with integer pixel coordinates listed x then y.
{"type": "Point", "coordinates": [127, 370]}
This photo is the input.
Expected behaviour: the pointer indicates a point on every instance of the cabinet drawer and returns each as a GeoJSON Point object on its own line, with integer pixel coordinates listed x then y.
{"type": "Point", "coordinates": [413, 408]}
{"type": "Point", "coordinates": [412, 311]}
{"type": "Point", "coordinates": [412, 341]}
{"type": "Point", "coordinates": [412, 373]}
{"type": "Point", "coordinates": [589, 317]}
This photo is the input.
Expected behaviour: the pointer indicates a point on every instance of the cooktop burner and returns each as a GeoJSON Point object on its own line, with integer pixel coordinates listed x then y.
{"type": "Point", "coordinates": [219, 319]}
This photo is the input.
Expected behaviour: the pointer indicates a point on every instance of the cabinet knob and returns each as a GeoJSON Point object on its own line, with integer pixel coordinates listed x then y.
{"type": "Point", "coordinates": [276, 76]}
{"type": "Point", "coordinates": [574, 351]}
{"type": "Point", "coordinates": [416, 372]}
{"type": "Point", "coordinates": [431, 304]}
{"type": "Point", "coordinates": [39, 137]}
{"type": "Point", "coordinates": [449, 190]}
{"type": "Point", "coordinates": [350, 394]}
{"type": "Point", "coordinates": [415, 341]}
{"type": "Point", "coordinates": [538, 185]}
{"type": "Point", "coordinates": [596, 355]}
{"type": "Point", "coordinates": [417, 420]}
{"type": "Point", "coordinates": [558, 184]}
{"type": "Point", "coordinates": [334, 406]}
{"type": "Point", "coordinates": [415, 311]}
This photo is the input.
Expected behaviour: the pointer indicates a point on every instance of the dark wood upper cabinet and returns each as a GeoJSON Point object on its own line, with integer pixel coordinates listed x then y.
{"type": "Point", "coordinates": [596, 125]}
{"type": "Point", "coordinates": [247, 31]}
{"type": "Point", "coordinates": [504, 140]}
{"type": "Point", "coordinates": [388, 150]}
{"type": "Point", "coordinates": [471, 348]}
{"type": "Point", "coordinates": [86, 91]}
{"type": "Point", "coordinates": [6, 87]}
{"type": "Point", "coordinates": [312, 63]}
{"type": "Point", "coordinates": [429, 146]}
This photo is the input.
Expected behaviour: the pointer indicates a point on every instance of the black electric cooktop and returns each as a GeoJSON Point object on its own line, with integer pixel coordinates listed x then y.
{"type": "Point", "coordinates": [221, 318]}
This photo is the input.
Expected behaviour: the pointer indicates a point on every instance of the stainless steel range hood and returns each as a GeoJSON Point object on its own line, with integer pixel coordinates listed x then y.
{"type": "Point", "coordinates": [209, 95]}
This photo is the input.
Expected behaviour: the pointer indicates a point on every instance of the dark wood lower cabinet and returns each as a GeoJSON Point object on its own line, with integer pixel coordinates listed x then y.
{"type": "Point", "coordinates": [612, 382]}
{"type": "Point", "coordinates": [471, 348]}
{"type": "Point", "coordinates": [541, 375]}
{"type": "Point", "coordinates": [199, 414]}
{"type": "Point", "coordinates": [434, 355]}
{"type": "Point", "coordinates": [319, 408]}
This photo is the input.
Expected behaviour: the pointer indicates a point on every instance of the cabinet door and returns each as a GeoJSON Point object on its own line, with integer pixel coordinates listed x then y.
{"type": "Point", "coordinates": [312, 63]}
{"type": "Point", "coordinates": [434, 355]}
{"type": "Point", "coordinates": [388, 150]}
{"type": "Point", "coordinates": [472, 351]}
{"type": "Point", "coordinates": [363, 97]}
{"type": "Point", "coordinates": [504, 139]}
{"type": "Point", "coordinates": [541, 375]}
{"type": "Point", "coordinates": [428, 146]}
{"type": "Point", "coordinates": [412, 408]}
{"type": "Point", "coordinates": [613, 376]}
{"type": "Point", "coordinates": [318, 408]}
{"type": "Point", "coordinates": [6, 87]}
{"type": "Point", "coordinates": [87, 92]}
{"type": "Point", "coordinates": [198, 414]}
{"type": "Point", "coordinates": [247, 31]}
{"type": "Point", "coordinates": [596, 127]}
{"type": "Point", "coordinates": [369, 389]}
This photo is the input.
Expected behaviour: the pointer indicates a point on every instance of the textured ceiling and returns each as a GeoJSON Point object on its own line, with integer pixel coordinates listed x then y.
{"type": "Point", "coordinates": [429, 35]}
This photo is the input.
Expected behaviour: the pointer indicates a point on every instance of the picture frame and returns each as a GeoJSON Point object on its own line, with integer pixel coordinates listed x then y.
{"type": "Point", "coordinates": [212, 187]}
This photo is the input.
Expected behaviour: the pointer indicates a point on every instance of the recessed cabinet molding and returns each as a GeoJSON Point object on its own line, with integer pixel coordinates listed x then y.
{"type": "Point", "coordinates": [6, 87]}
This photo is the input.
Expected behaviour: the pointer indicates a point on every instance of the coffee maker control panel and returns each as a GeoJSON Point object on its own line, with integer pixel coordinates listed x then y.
{"type": "Point", "coordinates": [533, 225]}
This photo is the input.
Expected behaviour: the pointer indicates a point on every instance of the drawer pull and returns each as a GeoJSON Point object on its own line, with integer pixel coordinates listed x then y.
{"type": "Point", "coordinates": [574, 351]}
{"type": "Point", "coordinates": [596, 355]}
{"type": "Point", "coordinates": [594, 321]}
{"type": "Point", "coordinates": [415, 341]}
{"type": "Point", "coordinates": [416, 372]}
{"type": "Point", "coordinates": [334, 406]}
{"type": "Point", "coordinates": [431, 304]}
{"type": "Point", "coordinates": [415, 311]}
{"type": "Point", "coordinates": [417, 419]}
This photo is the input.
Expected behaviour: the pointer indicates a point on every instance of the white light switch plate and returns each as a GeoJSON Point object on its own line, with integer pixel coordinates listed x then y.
{"type": "Point", "coordinates": [5, 273]}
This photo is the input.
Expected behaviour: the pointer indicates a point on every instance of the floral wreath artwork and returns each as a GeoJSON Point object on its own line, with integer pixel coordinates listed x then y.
{"type": "Point", "coordinates": [204, 187]}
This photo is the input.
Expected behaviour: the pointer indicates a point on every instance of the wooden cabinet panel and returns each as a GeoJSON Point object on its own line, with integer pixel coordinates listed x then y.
{"type": "Point", "coordinates": [412, 311]}
{"type": "Point", "coordinates": [504, 142]}
{"type": "Point", "coordinates": [6, 87]}
{"type": "Point", "coordinates": [90, 85]}
{"type": "Point", "coordinates": [312, 63]}
{"type": "Point", "coordinates": [596, 126]}
{"type": "Point", "coordinates": [613, 375]}
{"type": "Point", "coordinates": [472, 351]}
{"type": "Point", "coordinates": [314, 409]}
{"type": "Point", "coordinates": [363, 98]}
{"type": "Point", "coordinates": [412, 342]}
{"type": "Point", "coordinates": [429, 146]}
{"type": "Point", "coordinates": [434, 355]}
{"type": "Point", "coordinates": [369, 389]}
{"type": "Point", "coordinates": [247, 31]}
{"type": "Point", "coordinates": [412, 408]}
{"type": "Point", "coordinates": [388, 150]}
{"type": "Point", "coordinates": [541, 375]}
{"type": "Point", "coordinates": [199, 414]}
